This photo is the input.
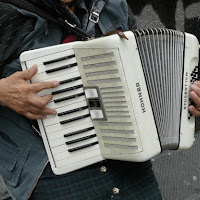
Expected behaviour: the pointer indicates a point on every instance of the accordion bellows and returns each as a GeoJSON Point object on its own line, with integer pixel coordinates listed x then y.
{"type": "Point", "coordinates": [118, 99]}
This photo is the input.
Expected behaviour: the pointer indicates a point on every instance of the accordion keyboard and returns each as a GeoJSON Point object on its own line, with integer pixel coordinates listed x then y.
{"type": "Point", "coordinates": [71, 129]}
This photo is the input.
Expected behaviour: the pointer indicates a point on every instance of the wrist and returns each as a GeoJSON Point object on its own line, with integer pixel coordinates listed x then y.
{"type": "Point", "coordinates": [1, 92]}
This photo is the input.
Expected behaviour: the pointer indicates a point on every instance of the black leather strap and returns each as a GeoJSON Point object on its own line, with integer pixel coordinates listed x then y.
{"type": "Point", "coordinates": [96, 9]}
{"type": "Point", "coordinates": [31, 8]}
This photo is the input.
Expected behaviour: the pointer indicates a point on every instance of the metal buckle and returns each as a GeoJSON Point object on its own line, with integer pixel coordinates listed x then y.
{"type": "Point", "coordinates": [72, 25]}
{"type": "Point", "coordinates": [94, 17]}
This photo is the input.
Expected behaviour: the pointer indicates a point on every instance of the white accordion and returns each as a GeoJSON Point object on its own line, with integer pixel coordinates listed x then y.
{"type": "Point", "coordinates": [117, 99]}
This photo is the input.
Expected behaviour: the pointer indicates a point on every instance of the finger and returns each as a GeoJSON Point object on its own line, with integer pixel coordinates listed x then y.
{"type": "Point", "coordinates": [46, 99]}
{"type": "Point", "coordinates": [40, 106]}
{"type": "Point", "coordinates": [194, 111]}
{"type": "Point", "coordinates": [29, 73]}
{"type": "Point", "coordinates": [195, 88]}
{"type": "Point", "coordinates": [41, 102]}
{"type": "Point", "coordinates": [39, 86]}
{"type": "Point", "coordinates": [35, 116]}
{"type": "Point", "coordinates": [197, 83]}
{"type": "Point", "coordinates": [195, 98]}
{"type": "Point", "coordinates": [48, 111]}
{"type": "Point", "coordinates": [44, 111]}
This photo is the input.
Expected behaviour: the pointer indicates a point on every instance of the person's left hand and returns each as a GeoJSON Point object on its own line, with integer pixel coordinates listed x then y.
{"type": "Point", "coordinates": [195, 96]}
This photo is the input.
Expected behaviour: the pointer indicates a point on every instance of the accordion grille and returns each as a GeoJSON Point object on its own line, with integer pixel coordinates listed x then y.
{"type": "Point", "coordinates": [162, 55]}
{"type": "Point", "coordinates": [102, 68]}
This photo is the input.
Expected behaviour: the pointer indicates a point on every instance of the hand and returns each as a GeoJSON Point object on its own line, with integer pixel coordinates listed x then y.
{"type": "Point", "coordinates": [21, 96]}
{"type": "Point", "coordinates": [195, 96]}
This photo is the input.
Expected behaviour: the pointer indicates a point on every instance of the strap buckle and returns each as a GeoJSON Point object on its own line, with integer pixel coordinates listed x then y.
{"type": "Point", "coordinates": [94, 17]}
{"type": "Point", "coordinates": [72, 25]}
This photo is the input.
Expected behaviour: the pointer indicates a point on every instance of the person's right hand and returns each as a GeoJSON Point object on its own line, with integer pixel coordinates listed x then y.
{"type": "Point", "coordinates": [195, 96]}
{"type": "Point", "coordinates": [21, 96]}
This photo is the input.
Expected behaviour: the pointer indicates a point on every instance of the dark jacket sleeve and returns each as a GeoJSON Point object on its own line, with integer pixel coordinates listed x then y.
{"type": "Point", "coordinates": [14, 28]}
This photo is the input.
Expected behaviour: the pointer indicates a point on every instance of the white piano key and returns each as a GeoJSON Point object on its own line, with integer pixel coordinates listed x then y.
{"type": "Point", "coordinates": [67, 94]}
{"type": "Point", "coordinates": [68, 154]}
{"type": "Point", "coordinates": [60, 141]}
{"type": "Point", "coordinates": [43, 68]}
{"type": "Point", "coordinates": [59, 149]}
{"type": "Point", "coordinates": [61, 133]}
{"type": "Point", "coordinates": [49, 57]}
{"type": "Point", "coordinates": [60, 87]}
{"type": "Point", "coordinates": [65, 76]}
{"type": "Point", "coordinates": [69, 107]}
{"type": "Point", "coordinates": [58, 127]}
{"type": "Point", "coordinates": [78, 158]}
{"type": "Point", "coordinates": [72, 107]}
{"type": "Point", "coordinates": [58, 119]}
{"type": "Point", "coordinates": [63, 155]}
{"type": "Point", "coordinates": [44, 76]}
{"type": "Point", "coordinates": [64, 103]}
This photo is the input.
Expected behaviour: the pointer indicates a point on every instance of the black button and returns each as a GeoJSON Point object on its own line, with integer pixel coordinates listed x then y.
{"type": "Point", "coordinates": [94, 103]}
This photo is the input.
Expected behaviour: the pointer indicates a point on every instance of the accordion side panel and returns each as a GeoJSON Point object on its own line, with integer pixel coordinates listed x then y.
{"type": "Point", "coordinates": [190, 75]}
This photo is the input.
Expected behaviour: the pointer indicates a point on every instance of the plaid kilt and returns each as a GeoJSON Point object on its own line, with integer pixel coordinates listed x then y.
{"type": "Point", "coordinates": [135, 181]}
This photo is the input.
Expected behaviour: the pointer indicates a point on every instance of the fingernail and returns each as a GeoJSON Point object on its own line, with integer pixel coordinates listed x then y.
{"type": "Point", "coordinates": [33, 67]}
{"type": "Point", "coordinates": [56, 83]}
{"type": "Point", "coordinates": [53, 112]}
{"type": "Point", "coordinates": [194, 86]}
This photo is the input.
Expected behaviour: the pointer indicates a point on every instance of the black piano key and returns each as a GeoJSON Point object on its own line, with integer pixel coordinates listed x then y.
{"type": "Point", "coordinates": [69, 97]}
{"type": "Point", "coordinates": [74, 119]}
{"type": "Point", "coordinates": [58, 59]}
{"type": "Point", "coordinates": [67, 89]}
{"type": "Point", "coordinates": [70, 80]}
{"type": "Point", "coordinates": [78, 132]}
{"type": "Point", "coordinates": [72, 111]}
{"type": "Point", "coordinates": [82, 147]}
{"type": "Point", "coordinates": [60, 68]}
{"type": "Point", "coordinates": [81, 139]}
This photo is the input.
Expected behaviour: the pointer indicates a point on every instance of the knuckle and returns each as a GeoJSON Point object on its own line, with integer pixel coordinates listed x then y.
{"type": "Point", "coordinates": [49, 84]}
{"type": "Point", "coordinates": [18, 73]}
{"type": "Point", "coordinates": [48, 98]}
{"type": "Point", "coordinates": [197, 83]}
{"type": "Point", "coordinates": [43, 85]}
{"type": "Point", "coordinates": [26, 101]}
{"type": "Point", "coordinates": [40, 104]}
{"type": "Point", "coordinates": [25, 88]}
{"type": "Point", "coordinates": [26, 73]}
{"type": "Point", "coordinates": [193, 95]}
{"type": "Point", "coordinates": [30, 116]}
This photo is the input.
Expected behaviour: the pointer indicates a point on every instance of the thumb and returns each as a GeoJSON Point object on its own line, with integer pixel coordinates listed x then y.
{"type": "Point", "coordinates": [29, 73]}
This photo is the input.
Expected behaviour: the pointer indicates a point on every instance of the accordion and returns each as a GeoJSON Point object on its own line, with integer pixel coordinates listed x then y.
{"type": "Point", "coordinates": [122, 99]}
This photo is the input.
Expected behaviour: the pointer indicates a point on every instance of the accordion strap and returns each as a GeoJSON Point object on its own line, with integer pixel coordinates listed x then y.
{"type": "Point", "coordinates": [64, 23]}
{"type": "Point", "coordinates": [96, 9]}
